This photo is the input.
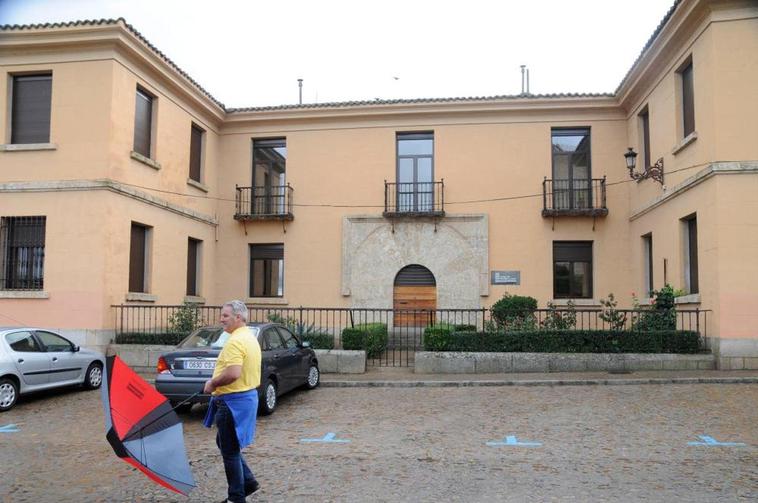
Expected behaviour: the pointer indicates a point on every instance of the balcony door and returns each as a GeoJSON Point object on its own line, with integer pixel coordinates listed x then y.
{"type": "Point", "coordinates": [415, 172]}
{"type": "Point", "coordinates": [572, 180]}
{"type": "Point", "coordinates": [269, 177]}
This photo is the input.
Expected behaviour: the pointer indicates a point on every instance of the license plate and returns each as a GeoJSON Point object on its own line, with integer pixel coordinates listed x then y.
{"type": "Point", "coordinates": [199, 364]}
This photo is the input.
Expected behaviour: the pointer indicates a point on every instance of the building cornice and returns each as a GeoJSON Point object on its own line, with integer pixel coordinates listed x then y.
{"type": "Point", "coordinates": [713, 169]}
{"type": "Point", "coordinates": [109, 185]}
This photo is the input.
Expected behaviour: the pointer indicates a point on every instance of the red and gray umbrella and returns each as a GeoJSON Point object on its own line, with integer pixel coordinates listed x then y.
{"type": "Point", "coordinates": [143, 429]}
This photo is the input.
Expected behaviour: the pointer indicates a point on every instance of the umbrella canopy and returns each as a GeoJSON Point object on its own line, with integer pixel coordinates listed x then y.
{"type": "Point", "coordinates": [143, 429]}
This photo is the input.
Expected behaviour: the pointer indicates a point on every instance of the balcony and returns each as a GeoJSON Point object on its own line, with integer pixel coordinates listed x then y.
{"type": "Point", "coordinates": [264, 203]}
{"type": "Point", "coordinates": [574, 198]}
{"type": "Point", "coordinates": [414, 199]}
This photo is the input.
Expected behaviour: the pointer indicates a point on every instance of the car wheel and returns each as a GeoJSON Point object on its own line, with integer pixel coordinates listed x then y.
{"type": "Point", "coordinates": [8, 394]}
{"type": "Point", "coordinates": [94, 377]}
{"type": "Point", "coordinates": [268, 401]}
{"type": "Point", "coordinates": [314, 377]}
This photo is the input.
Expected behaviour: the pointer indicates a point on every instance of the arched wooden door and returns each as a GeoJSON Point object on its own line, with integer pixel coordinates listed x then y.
{"type": "Point", "coordinates": [415, 296]}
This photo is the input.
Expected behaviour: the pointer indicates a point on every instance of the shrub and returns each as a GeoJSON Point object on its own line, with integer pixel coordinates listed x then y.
{"type": "Point", "coordinates": [184, 320]}
{"type": "Point", "coordinates": [370, 337]}
{"type": "Point", "coordinates": [560, 319]}
{"type": "Point", "coordinates": [164, 338]}
{"type": "Point", "coordinates": [567, 341]}
{"type": "Point", "coordinates": [614, 318]}
{"type": "Point", "coordinates": [319, 339]}
{"type": "Point", "coordinates": [662, 316]}
{"type": "Point", "coordinates": [515, 312]}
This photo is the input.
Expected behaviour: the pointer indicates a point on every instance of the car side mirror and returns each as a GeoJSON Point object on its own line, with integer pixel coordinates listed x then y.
{"type": "Point", "coordinates": [75, 348]}
{"type": "Point", "coordinates": [305, 344]}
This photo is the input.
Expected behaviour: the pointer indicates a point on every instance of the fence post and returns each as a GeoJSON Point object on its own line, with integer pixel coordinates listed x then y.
{"type": "Point", "coordinates": [301, 316]}
{"type": "Point", "coordinates": [484, 313]}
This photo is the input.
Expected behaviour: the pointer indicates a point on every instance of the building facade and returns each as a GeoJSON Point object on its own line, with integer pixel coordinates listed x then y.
{"type": "Point", "coordinates": [122, 181]}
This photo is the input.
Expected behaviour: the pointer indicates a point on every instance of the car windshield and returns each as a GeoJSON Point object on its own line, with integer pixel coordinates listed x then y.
{"type": "Point", "coordinates": [211, 337]}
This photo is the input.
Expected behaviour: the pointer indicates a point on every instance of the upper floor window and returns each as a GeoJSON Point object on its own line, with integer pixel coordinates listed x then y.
{"type": "Point", "coordinates": [22, 253]}
{"type": "Point", "coordinates": [267, 270]}
{"type": "Point", "coordinates": [196, 153]}
{"type": "Point", "coordinates": [143, 123]}
{"type": "Point", "coordinates": [688, 100]}
{"type": "Point", "coordinates": [415, 172]}
{"type": "Point", "coordinates": [644, 121]}
{"type": "Point", "coordinates": [572, 181]}
{"type": "Point", "coordinates": [30, 108]}
{"type": "Point", "coordinates": [269, 176]}
{"type": "Point", "coordinates": [572, 269]}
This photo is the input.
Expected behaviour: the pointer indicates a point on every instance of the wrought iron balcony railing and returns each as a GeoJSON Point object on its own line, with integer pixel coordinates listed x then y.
{"type": "Point", "coordinates": [264, 203]}
{"type": "Point", "coordinates": [562, 197]}
{"type": "Point", "coordinates": [414, 199]}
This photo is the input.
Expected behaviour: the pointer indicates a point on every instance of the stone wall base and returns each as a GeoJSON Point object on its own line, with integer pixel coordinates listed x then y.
{"type": "Point", "coordinates": [428, 362]}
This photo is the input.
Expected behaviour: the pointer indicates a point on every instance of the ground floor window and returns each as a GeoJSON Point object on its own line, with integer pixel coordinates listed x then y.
{"type": "Point", "coordinates": [22, 253]}
{"type": "Point", "coordinates": [267, 270]}
{"type": "Point", "coordinates": [572, 269]}
{"type": "Point", "coordinates": [139, 258]}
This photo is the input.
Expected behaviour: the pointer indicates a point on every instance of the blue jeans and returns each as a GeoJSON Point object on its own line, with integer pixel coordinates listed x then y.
{"type": "Point", "coordinates": [238, 476]}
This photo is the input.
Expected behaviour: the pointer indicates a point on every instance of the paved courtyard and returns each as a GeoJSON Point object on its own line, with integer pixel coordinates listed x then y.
{"type": "Point", "coordinates": [590, 443]}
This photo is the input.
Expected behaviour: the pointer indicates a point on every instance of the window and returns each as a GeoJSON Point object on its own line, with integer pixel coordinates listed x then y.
{"type": "Point", "coordinates": [572, 269]}
{"type": "Point", "coordinates": [54, 342]}
{"type": "Point", "coordinates": [647, 250]}
{"type": "Point", "coordinates": [272, 340]}
{"type": "Point", "coordinates": [644, 118]}
{"type": "Point", "coordinates": [196, 152]}
{"type": "Point", "coordinates": [30, 108]}
{"type": "Point", "coordinates": [22, 342]}
{"type": "Point", "coordinates": [22, 249]}
{"type": "Point", "coordinates": [138, 258]}
{"type": "Point", "coordinates": [267, 270]}
{"type": "Point", "coordinates": [688, 100]}
{"type": "Point", "coordinates": [690, 255]}
{"type": "Point", "coordinates": [290, 341]}
{"type": "Point", "coordinates": [193, 265]}
{"type": "Point", "coordinates": [269, 177]}
{"type": "Point", "coordinates": [572, 183]}
{"type": "Point", "coordinates": [415, 172]}
{"type": "Point", "coordinates": [143, 123]}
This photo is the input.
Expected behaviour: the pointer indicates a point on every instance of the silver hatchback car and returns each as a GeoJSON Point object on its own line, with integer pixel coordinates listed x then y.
{"type": "Point", "coordinates": [36, 359]}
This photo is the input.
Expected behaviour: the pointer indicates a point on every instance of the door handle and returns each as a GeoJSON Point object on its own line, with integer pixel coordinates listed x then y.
{"type": "Point", "coordinates": [20, 360]}
{"type": "Point", "coordinates": [55, 358]}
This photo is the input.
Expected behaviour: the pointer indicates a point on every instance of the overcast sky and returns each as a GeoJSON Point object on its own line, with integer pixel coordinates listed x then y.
{"type": "Point", "coordinates": [251, 53]}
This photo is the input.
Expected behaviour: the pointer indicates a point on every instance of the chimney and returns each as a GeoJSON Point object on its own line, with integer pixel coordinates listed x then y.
{"type": "Point", "coordinates": [300, 90]}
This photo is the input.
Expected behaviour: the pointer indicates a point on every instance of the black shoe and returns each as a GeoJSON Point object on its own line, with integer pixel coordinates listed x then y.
{"type": "Point", "coordinates": [251, 489]}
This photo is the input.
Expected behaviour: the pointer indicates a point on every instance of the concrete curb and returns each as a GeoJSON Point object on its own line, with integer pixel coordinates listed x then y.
{"type": "Point", "coordinates": [540, 382]}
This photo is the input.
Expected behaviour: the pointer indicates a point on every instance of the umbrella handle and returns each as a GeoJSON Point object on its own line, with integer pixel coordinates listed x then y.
{"type": "Point", "coordinates": [185, 400]}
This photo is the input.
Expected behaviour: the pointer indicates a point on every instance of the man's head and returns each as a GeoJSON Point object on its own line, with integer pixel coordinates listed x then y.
{"type": "Point", "coordinates": [233, 315]}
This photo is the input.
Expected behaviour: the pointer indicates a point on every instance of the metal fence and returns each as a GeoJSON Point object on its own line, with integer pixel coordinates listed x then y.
{"type": "Point", "coordinates": [576, 195]}
{"type": "Point", "coordinates": [405, 328]}
{"type": "Point", "coordinates": [414, 198]}
{"type": "Point", "coordinates": [263, 202]}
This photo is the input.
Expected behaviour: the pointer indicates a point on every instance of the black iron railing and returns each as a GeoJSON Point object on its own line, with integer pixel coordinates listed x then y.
{"type": "Point", "coordinates": [264, 202]}
{"type": "Point", "coordinates": [414, 198]}
{"type": "Point", "coordinates": [574, 197]}
{"type": "Point", "coordinates": [404, 329]}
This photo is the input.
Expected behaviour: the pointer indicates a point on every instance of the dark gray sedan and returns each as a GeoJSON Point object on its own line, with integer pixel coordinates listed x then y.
{"type": "Point", "coordinates": [287, 364]}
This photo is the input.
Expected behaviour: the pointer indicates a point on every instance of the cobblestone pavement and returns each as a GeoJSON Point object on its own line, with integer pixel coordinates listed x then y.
{"type": "Point", "coordinates": [598, 443]}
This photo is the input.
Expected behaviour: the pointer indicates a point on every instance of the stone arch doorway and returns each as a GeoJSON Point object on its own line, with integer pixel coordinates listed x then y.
{"type": "Point", "coordinates": [414, 297]}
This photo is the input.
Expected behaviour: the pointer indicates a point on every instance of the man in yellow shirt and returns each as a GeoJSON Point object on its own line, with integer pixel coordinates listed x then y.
{"type": "Point", "coordinates": [234, 399]}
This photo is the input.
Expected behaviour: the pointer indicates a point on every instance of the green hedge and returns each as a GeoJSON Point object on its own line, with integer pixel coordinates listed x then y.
{"type": "Point", "coordinates": [370, 337]}
{"type": "Point", "coordinates": [165, 338]}
{"type": "Point", "coordinates": [320, 340]}
{"type": "Point", "coordinates": [565, 341]}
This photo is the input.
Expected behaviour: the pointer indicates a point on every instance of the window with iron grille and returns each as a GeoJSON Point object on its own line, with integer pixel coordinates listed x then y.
{"type": "Point", "coordinates": [30, 108]}
{"type": "Point", "coordinates": [267, 270]}
{"type": "Point", "coordinates": [22, 244]}
{"type": "Point", "coordinates": [572, 269]}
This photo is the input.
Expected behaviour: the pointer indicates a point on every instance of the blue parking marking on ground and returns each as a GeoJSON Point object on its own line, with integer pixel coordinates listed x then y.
{"type": "Point", "coordinates": [511, 440]}
{"type": "Point", "coordinates": [712, 442]}
{"type": "Point", "coordinates": [9, 428]}
{"type": "Point", "coordinates": [328, 438]}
